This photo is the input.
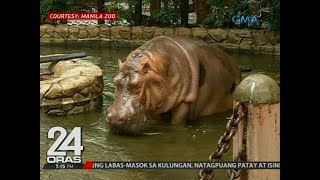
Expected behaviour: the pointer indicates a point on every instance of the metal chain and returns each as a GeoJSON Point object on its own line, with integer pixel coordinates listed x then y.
{"type": "Point", "coordinates": [224, 141]}
{"type": "Point", "coordinates": [235, 173]}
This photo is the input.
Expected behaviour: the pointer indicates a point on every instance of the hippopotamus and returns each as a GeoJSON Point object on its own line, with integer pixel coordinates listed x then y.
{"type": "Point", "coordinates": [171, 78]}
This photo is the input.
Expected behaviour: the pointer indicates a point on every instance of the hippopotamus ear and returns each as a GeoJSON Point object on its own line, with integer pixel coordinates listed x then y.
{"type": "Point", "coordinates": [145, 67]}
{"type": "Point", "coordinates": [120, 63]}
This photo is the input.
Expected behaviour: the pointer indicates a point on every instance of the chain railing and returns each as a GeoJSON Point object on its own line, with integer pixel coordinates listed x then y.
{"type": "Point", "coordinates": [224, 143]}
{"type": "Point", "coordinates": [235, 173]}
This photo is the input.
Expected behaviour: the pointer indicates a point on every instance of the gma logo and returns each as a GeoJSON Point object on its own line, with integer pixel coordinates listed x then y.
{"type": "Point", "coordinates": [238, 20]}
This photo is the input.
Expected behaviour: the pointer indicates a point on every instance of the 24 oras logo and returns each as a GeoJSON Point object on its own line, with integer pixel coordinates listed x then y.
{"type": "Point", "coordinates": [57, 153]}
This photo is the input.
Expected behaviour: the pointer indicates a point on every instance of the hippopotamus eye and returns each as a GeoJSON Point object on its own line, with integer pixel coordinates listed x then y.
{"type": "Point", "coordinates": [134, 85]}
{"type": "Point", "coordinates": [117, 81]}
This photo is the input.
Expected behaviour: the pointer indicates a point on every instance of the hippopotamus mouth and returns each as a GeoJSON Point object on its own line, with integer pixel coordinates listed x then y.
{"type": "Point", "coordinates": [127, 126]}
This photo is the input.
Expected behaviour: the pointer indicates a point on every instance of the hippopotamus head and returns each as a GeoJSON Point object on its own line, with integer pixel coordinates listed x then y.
{"type": "Point", "coordinates": [138, 88]}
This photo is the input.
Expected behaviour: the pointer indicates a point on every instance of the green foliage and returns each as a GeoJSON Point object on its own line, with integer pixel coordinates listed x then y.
{"type": "Point", "coordinates": [55, 6]}
{"type": "Point", "coordinates": [116, 6]}
{"type": "Point", "coordinates": [166, 17]}
{"type": "Point", "coordinates": [222, 12]}
{"type": "Point", "coordinates": [127, 14]}
{"type": "Point", "coordinates": [130, 15]}
{"type": "Point", "coordinates": [162, 17]}
{"type": "Point", "coordinates": [274, 16]}
{"type": "Point", "coordinates": [219, 17]}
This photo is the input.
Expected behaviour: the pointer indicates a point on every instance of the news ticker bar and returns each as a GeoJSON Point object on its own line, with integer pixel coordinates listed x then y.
{"type": "Point", "coordinates": [164, 165]}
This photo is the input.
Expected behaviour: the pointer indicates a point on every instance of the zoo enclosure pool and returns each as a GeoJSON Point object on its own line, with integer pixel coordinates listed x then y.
{"type": "Point", "coordinates": [193, 142]}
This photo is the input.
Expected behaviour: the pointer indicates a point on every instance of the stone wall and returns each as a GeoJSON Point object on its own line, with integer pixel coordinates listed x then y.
{"type": "Point", "coordinates": [245, 40]}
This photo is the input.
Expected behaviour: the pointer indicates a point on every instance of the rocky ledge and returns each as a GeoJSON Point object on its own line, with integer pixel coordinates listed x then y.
{"type": "Point", "coordinates": [76, 86]}
{"type": "Point", "coordinates": [246, 40]}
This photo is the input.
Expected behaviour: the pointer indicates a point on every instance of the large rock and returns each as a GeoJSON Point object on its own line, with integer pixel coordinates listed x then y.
{"type": "Point", "coordinates": [55, 91]}
{"type": "Point", "coordinates": [200, 33]}
{"type": "Point", "coordinates": [75, 83]}
{"type": "Point", "coordinates": [72, 85]}
{"type": "Point", "coordinates": [95, 90]}
{"type": "Point", "coordinates": [218, 35]}
{"type": "Point", "coordinates": [59, 112]}
{"type": "Point", "coordinates": [68, 104]}
{"type": "Point", "coordinates": [80, 98]}
{"type": "Point", "coordinates": [85, 91]}
{"type": "Point", "coordinates": [51, 103]}
{"type": "Point", "coordinates": [66, 101]}
{"type": "Point", "coordinates": [183, 31]}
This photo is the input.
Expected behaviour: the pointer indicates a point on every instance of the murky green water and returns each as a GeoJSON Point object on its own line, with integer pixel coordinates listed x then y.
{"type": "Point", "coordinates": [192, 142]}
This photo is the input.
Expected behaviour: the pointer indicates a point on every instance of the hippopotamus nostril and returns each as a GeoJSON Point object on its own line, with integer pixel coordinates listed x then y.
{"type": "Point", "coordinates": [121, 120]}
{"type": "Point", "coordinates": [109, 117]}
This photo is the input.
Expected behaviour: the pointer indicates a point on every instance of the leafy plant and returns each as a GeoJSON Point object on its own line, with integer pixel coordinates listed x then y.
{"type": "Point", "coordinates": [166, 17]}
{"type": "Point", "coordinates": [274, 16]}
{"type": "Point", "coordinates": [222, 11]}
{"type": "Point", "coordinates": [127, 14]}
{"type": "Point", "coordinates": [219, 17]}
{"type": "Point", "coordinates": [115, 6]}
{"type": "Point", "coordinates": [55, 6]}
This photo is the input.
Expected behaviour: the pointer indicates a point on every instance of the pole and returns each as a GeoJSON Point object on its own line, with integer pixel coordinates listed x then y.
{"type": "Point", "coordinates": [262, 97]}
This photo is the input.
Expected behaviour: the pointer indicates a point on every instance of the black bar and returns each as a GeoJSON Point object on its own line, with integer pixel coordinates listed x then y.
{"type": "Point", "coordinates": [63, 166]}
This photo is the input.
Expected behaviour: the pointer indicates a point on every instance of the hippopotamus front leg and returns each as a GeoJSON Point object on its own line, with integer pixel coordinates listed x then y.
{"type": "Point", "coordinates": [180, 114]}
